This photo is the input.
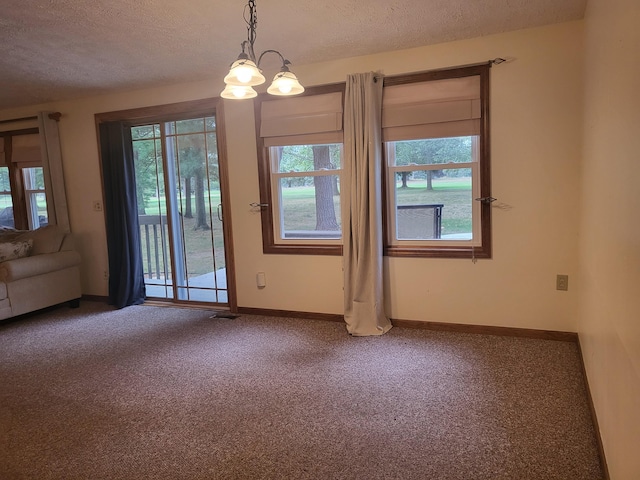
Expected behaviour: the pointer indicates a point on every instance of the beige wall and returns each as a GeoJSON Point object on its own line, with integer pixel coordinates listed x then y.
{"type": "Point", "coordinates": [536, 103]}
{"type": "Point", "coordinates": [536, 131]}
{"type": "Point", "coordinates": [610, 232]}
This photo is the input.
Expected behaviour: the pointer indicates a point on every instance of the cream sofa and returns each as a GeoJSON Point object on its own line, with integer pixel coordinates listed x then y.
{"type": "Point", "coordinates": [38, 269]}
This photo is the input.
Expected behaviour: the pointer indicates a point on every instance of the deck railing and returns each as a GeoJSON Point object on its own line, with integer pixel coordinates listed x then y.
{"type": "Point", "coordinates": [154, 232]}
{"type": "Point", "coordinates": [419, 222]}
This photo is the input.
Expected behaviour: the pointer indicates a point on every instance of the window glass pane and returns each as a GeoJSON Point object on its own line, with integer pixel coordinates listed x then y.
{"type": "Point", "coordinates": [6, 211]}
{"type": "Point", "coordinates": [310, 207]}
{"type": "Point", "coordinates": [147, 160]}
{"type": "Point", "coordinates": [433, 151]}
{"type": "Point", "coordinates": [37, 213]}
{"type": "Point", "coordinates": [307, 158]}
{"type": "Point", "coordinates": [190, 126]}
{"type": "Point", "coordinates": [424, 195]}
{"type": "Point", "coordinates": [33, 178]}
{"type": "Point", "coordinates": [210, 124]}
{"type": "Point", "coordinates": [35, 197]}
{"type": "Point", "coordinates": [143, 132]}
{"type": "Point", "coordinates": [5, 185]}
{"type": "Point", "coordinates": [6, 202]}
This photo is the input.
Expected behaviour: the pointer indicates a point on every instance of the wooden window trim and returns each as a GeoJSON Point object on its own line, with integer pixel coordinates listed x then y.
{"type": "Point", "coordinates": [269, 245]}
{"type": "Point", "coordinates": [16, 182]}
{"type": "Point", "coordinates": [446, 251]}
{"type": "Point", "coordinates": [449, 251]}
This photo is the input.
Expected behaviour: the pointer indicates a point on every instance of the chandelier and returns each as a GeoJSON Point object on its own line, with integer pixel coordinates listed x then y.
{"type": "Point", "coordinates": [245, 72]}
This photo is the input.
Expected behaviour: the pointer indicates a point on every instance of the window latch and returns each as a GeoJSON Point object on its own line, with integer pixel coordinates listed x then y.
{"type": "Point", "coordinates": [258, 205]}
{"type": "Point", "coordinates": [486, 200]}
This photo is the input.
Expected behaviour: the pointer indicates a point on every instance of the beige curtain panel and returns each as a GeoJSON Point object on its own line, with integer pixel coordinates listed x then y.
{"type": "Point", "coordinates": [53, 174]}
{"type": "Point", "coordinates": [362, 231]}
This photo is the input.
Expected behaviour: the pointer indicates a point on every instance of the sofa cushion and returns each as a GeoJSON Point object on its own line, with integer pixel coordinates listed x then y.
{"type": "Point", "coordinates": [45, 239]}
{"type": "Point", "coordinates": [15, 249]}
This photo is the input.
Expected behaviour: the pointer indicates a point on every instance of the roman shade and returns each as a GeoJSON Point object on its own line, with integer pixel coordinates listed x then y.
{"type": "Point", "coordinates": [26, 149]}
{"type": "Point", "coordinates": [307, 120]}
{"type": "Point", "coordinates": [432, 109]}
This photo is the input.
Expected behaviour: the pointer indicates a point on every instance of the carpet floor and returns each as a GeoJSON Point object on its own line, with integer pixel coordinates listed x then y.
{"type": "Point", "coordinates": [171, 393]}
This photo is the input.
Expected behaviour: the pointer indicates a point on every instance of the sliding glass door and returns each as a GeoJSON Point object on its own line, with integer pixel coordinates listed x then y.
{"type": "Point", "coordinates": [180, 210]}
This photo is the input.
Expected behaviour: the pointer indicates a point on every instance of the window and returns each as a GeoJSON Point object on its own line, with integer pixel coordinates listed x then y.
{"type": "Point", "coordinates": [23, 202]}
{"type": "Point", "coordinates": [435, 131]}
{"type": "Point", "coordinates": [306, 179]}
{"type": "Point", "coordinates": [35, 197]}
{"type": "Point", "coordinates": [300, 162]}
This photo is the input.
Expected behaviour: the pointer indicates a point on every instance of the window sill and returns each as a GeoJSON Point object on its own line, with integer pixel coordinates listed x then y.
{"type": "Point", "coordinates": [302, 249]}
{"type": "Point", "coordinates": [437, 252]}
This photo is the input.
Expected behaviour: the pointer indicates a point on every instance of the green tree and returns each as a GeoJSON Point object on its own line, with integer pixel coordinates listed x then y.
{"type": "Point", "coordinates": [188, 212]}
{"type": "Point", "coordinates": [324, 187]}
{"type": "Point", "coordinates": [192, 159]}
{"type": "Point", "coordinates": [147, 158]}
{"type": "Point", "coordinates": [296, 158]}
{"type": "Point", "coordinates": [306, 158]}
{"type": "Point", "coordinates": [435, 151]}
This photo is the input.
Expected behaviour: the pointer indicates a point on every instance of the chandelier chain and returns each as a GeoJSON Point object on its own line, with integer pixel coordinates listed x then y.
{"type": "Point", "coordinates": [252, 23]}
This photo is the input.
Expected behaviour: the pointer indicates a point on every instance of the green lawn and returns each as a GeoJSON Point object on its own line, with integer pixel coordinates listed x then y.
{"type": "Point", "coordinates": [453, 193]}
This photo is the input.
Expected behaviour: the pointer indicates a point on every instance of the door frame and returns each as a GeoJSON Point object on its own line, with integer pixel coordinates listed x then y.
{"type": "Point", "coordinates": [183, 111]}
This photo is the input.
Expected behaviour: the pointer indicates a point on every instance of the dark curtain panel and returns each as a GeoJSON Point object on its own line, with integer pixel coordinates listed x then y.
{"type": "Point", "coordinates": [126, 277]}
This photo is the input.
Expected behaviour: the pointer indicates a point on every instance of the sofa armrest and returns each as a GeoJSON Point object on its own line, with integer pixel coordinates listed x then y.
{"type": "Point", "coordinates": [68, 243]}
{"type": "Point", "coordinates": [37, 265]}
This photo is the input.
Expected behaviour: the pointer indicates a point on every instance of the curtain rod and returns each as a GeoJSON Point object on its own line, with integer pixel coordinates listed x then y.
{"type": "Point", "coordinates": [53, 116]}
{"type": "Point", "coordinates": [495, 61]}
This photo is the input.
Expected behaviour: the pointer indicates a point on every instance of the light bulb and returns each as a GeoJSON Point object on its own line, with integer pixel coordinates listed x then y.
{"type": "Point", "coordinates": [239, 92]}
{"type": "Point", "coordinates": [243, 74]}
{"type": "Point", "coordinates": [285, 83]}
{"type": "Point", "coordinates": [285, 87]}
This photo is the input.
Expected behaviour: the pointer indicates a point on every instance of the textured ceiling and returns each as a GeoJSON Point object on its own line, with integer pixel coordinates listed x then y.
{"type": "Point", "coordinates": [62, 49]}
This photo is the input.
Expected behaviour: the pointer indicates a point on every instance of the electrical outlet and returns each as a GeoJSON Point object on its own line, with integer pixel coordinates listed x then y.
{"type": "Point", "coordinates": [562, 282]}
{"type": "Point", "coordinates": [105, 275]}
{"type": "Point", "coordinates": [97, 206]}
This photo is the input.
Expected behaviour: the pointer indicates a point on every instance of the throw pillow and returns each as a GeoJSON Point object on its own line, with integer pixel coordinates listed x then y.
{"type": "Point", "coordinates": [16, 249]}
{"type": "Point", "coordinates": [7, 233]}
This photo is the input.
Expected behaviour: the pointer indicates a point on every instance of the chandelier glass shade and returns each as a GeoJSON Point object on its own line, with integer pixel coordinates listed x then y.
{"type": "Point", "coordinates": [285, 83]}
{"type": "Point", "coordinates": [237, 92]}
{"type": "Point", "coordinates": [245, 72]}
